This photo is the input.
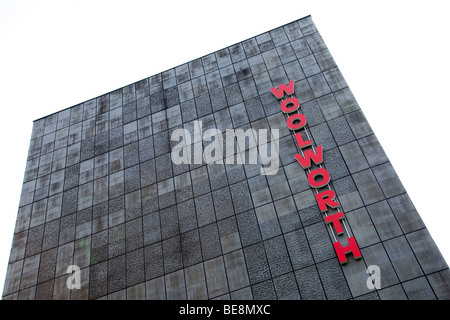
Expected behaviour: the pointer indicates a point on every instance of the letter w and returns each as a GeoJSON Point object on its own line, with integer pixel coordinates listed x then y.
{"type": "Point", "coordinates": [289, 89]}
{"type": "Point", "coordinates": [305, 162]}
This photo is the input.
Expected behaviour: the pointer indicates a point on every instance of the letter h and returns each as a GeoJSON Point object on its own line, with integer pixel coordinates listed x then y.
{"type": "Point", "coordinates": [342, 251]}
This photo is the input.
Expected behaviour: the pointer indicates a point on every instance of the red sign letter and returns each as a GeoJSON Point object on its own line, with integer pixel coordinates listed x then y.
{"type": "Point", "coordinates": [305, 162]}
{"type": "Point", "coordinates": [335, 219]}
{"type": "Point", "coordinates": [302, 143]}
{"type": "Point", "coordinates": [326, 198]}
{"type": "Point", "coordinates": [342, 251]}
{"type": "Point", "coordinates": [283, 88]}
{"type": "Point", "coordinates": [291, 119]}
{"type": "Point", "coordinates": [319, 172]}
{"type": "Point", "coordinates": [285, 105]}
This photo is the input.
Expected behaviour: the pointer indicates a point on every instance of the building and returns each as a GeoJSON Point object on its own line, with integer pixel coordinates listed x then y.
{"type": "Point", "coordinates": [249, 173]}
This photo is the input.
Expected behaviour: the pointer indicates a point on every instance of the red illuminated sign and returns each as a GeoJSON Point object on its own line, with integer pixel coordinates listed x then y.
{"type": "Point", "coordinates": [319, 177]}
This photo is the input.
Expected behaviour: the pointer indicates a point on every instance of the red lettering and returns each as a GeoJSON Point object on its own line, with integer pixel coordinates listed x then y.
{"type": "Point", "coordinates": [298, 116]}
{"type": "Point", "coordinates": [286, 105]}
{"type": "Point", "coordinates": [342, 251]}
{"type": "Point", "coordinates": [326, 198]}
{"type": "Point", "coordinates": [336, 218]}
{"type": "Point", "coordinates": [305, 161]}
{"type": "Point", "coordinates": [319, 172]}
{"type": "Point", "coordinates": [300, 142]}
{"type": "Point", "coordinates": [289, 89]}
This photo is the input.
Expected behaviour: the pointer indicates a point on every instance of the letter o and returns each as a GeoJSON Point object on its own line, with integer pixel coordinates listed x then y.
{"type": "Point", "coordinates": [285, 105]}
{"type": "Point", "coordinates": [319, 172]}
{"type": "Point", "coordinates": [297, 116]}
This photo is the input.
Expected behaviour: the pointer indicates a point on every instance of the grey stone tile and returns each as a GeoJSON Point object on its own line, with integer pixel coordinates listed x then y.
{"type": "Point", "coordinates": [319, 241]}
{"type": "Point", "coordinates": [157, 101]}
{"type": "Point", "coordinates": [393, 293]}
{"type": "Point", "coordinates": [286, 53]}
{"type": "Point", "coordinates": [405, 213]}
{"type": "Point", "coordinates": [191, 248]}
{"type": "Point", "coordinates": [384, 220]}
{"type": "Point", "coordinates": [154, 265]}
{"type": "Point", "coordinates": [277, 256]}
{"type": "Point", "coordinates": [132, 179]}
{"type": "Point", "coordinates": [185, 92]}
{"type": "Point", "coordinates": [200, 181]}
{"type": "Point", "coordinates": [196, 283]}
{"type": "Point", "coordinates": [309, 65]}
{"type": "Point", "coordinates": [287, 214]}
{"type": "Point", "coordinates": [169, 222]}
{"type": "Point", "coordinates": [169, 78]}
{"type": "Point", "coordinates": [271, 58]}
{"type": "Point", "coordinates": [335, 79]}
{"type": "Point", "coordinates": [172, 254]}
{"type": "Point", "coordinates": [334, 163]}
{"type": "Point", "coordinates": [236, 270]}
{"type": "Point", "coordinates": [426, 251]}
{"type": "Point", "coordinates": [368, 187]}
{"type": "Point", "coordinates": [210, 241]}
{"type": "Point", "coordinates": [325, 60]}
{"type": "Point", "coordinates": [135, 264]}
{"type": "Point", "coordinates": [403, 259]}
{"type": "Point", "coordinates": [257, 265]}
{"type": "Point", "coordinates": [268, 222]}
{"type": "Point", "coordinates": [293, 31]}
{"type": "Point", "coordinates": [388, 180]}
{"type": "Point", "coordinates": [301, 48]}
{"type": "Point", "coordinates": [373, 151]}
{"type": "Point", "coordinates": [362, 227]}
{"type": "Point", "coordinates": [187, 216]}
{"type": "Point", "coordinates": [440, 284]}
{"type": "Point", "coordinates": [209, 63]}
{"type": "Point", "coordinates": [298, 249]}
{"type": "Point", "coordinates": [313, 113]}
{"type": "Point", "coordinates": [333, 280]}
{"type": "Point", "coordinates": [418, 289]}
{"type": "Point", "coordinates": [286, 287]}
{"type": "Point", "coordinates": [151, 228]}
{"type": "Point", "coordinates": [254, 109]}
{"type": "Point", "coordinates": [250, 47]}
{"type": "Point", "coordinates": [248, 228]}
{"type": "Point", "coordinates": [216, 277]}
{"type": "Point", "coordinates": [353, 156]}
{"type": "Point", "coordinates": [156, 83]}
{"type": "Point", "coordinates": [182, 73]}
{"type": "Point", "coordinates": [346, 100]}
{"type": "Point", "coordinates": [359, 124]}
{"type": "Point", "coordinates": [318, 85]}
{"type": "Point", "coordinates": [264, 291]}
{"type": "Point", "coordinates": [309, 283]}
{"type": "Point", "coordinates": [322, 136]}
{"type": "Point", "coordinates": [240, 195]}
{"type": "Point", "coordinates": [116, 273]}
{"type": "Point", "coordinates": [223, 204]}
{"type": "Point", "coordinates": [205, 209]}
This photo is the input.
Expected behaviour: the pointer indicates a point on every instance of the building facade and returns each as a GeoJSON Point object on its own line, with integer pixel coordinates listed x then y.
{"type": "Point", "coordinates": [248, 173]}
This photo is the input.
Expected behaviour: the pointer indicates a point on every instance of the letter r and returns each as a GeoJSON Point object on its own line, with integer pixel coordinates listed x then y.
{"type": "Point", "coordinates": [326, 199]}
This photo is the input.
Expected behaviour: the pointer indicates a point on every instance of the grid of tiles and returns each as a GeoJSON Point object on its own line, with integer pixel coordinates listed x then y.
{"type": "Point", "coordinates": [101, 192]}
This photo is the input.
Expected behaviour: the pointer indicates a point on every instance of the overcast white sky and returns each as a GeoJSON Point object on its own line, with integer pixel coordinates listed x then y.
{"type": "Point", "coordinates": [394, 55]}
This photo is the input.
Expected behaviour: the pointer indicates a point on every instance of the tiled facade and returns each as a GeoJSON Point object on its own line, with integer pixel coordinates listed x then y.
{"type": "Point", "coordinates": [101, 192]}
